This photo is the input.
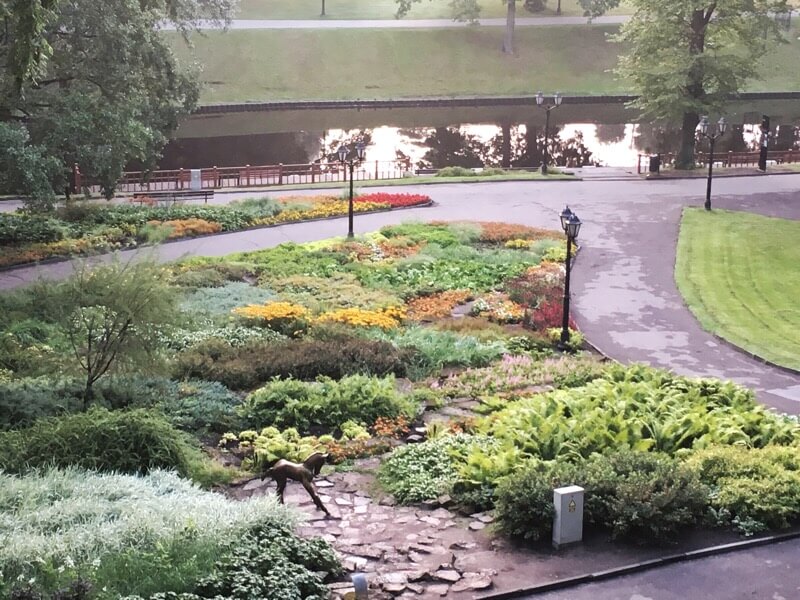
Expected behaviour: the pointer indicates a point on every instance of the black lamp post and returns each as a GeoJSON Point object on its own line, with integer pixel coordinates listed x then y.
{"type": "Point", "coordinates": [548, 107]}
{"type": "Point", "coordinates": [712, 137]}
{"type": "Point", "coordinates": [346, 158]}
{"type": "Point", "coordinates": [571, 225]}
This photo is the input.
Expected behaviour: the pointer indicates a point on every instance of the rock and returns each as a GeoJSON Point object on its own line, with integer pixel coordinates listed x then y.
{"type": "Point", "coordinates": [387, 501]}
{"type": "Point", "coordinates": [442, 513]}
{"type": "Point", "coordinates": [394, 588]}
{"type": "Point", "coordinates": [431, 521]}
{"type": "Point", "coordinates": [439, 589]}
{"type": "Point", "coordinates": [395, 577]}
{"type": "Point", "coordinates": [447, 524]}
{"type": "Point", "coordinates": [255, 484]}
{"type": "Point", "coordinates": [416, 575]}
{"type": "Point", "coordinates": [472, 581]}
{"type": "Point", "coordinates": [323, 483]}
{"type": "Point", "coordinates": [342, 501]}
{"type": "Point", "coordinates": [431, 504]}
{"type": "Point", "coordinates": [421, 430]}
{"type": "Point", "coordinates": [360, 500]}
{"type": "Point", "coordinates": [462, 545]}
{"type": "Point", "coordinates": [486, 518]}
{"type": "Point", "coordinates": [340, 585]}
{"type": "Point", "coordinates": [474, 561]}
{"type": "Point", "coordinates": [354, 563]}
{"type": "Point", "coordinates": [360, 510]}
{"type": "Point", "coordinates": [375, 528]}
{"type": "Point", "coordinates": [444, 500]}
{"type": "Point", "coordinates": [448, 575]}
{"type": "Point", "coordinates": [416, 588]}
{"type": "Point", "coordinates": [476, 525]}
{"type": "Point", "coordinates": [414, 438]}
{"type": "Point", "coordinates": [363, 551]}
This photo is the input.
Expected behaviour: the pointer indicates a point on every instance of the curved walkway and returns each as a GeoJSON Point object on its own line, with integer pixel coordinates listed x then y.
{"type": "Point", "coordinates": [624, 297]}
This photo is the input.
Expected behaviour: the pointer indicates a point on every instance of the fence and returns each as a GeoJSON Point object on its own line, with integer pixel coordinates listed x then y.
{"type": "Point", "coordinates": [249, 176]}
{"type": "Point", "coordinates": [726, 159]}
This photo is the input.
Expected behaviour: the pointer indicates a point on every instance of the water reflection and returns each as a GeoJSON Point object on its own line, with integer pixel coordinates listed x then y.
{"type": "Point", "coordinates": [505, 144]}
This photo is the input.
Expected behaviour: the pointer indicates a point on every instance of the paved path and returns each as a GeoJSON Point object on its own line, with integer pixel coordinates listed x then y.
{"type": "Point", "coordinates": [764, 573]}
{"type": "Point", "coordinates": [403, 23]}
{"type": "Point", "coordinates": [625, 298]}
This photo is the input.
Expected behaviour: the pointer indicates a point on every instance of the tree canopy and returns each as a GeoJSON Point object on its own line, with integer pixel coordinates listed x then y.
{"type": "Point", "coordinates": [686, 58]}
{"type": "Point", "coordinates": [112, 90]}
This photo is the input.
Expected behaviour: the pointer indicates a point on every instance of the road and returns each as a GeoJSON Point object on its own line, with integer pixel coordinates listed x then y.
{"type": "Point", "coordinates": [763, 573]}
{"type": "Point", "coordinates": [624, 294]}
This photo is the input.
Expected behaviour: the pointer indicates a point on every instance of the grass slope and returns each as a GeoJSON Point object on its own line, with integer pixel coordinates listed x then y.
{"type": "Point", "coordinates": [740, 275]}
{"type": "Point", "coordinates": [386, 9]}
{"type": "Point", "coordinates": [379, 63]}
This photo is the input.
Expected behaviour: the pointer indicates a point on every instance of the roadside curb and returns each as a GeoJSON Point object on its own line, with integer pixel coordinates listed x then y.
{"type": "Point", "coordinates": [641, 566]}
{"type": "Point", "coordinates": [644, 177]}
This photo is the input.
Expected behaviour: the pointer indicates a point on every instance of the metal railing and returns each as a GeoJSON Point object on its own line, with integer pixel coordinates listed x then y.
{"type": "Point", "coordinates": [249, 176]}
{"type": "Point", "coordinates": [725, 159]}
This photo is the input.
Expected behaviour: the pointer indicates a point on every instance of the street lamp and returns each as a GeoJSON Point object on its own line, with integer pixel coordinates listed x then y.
{"type": "Point", "coordinates": [571, 225]}
{"type": "Point", "coordinates": [346, 158]}
{"type": "Point", "coordinates": [548, 107]}
{"type": "Point", "coordinates": [712, 137]}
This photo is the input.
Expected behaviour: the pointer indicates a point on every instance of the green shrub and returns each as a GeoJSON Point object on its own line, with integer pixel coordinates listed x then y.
{"type": "Point", "coordinates": [258, 207]}
{"type": "Point", "coordinates": [752, 489]}
{"type": "Point", "coordinates": [221, 300]}
{"type": "Point", "coordinates": [134, 441]}
{"type": "Point", "coordinates": [24, 400]}
{"type": "Point", "coordinates": [432, 349]}
{"type": "Point", "coordinates": [246, 367]}
{"type": "Point", "coordinates": [325, 403]}
{"type": "Point", "coordinates": [639, 496]}
{"type": "Point", "coordinates": [198, 273]}
{"type": "Point", "coordinates": [24, 229]}
{"type": "Point", "coordinates": [456, 172]}
{"type": "Point", "coordinates": [341, 290]}
{"type": "Point", "coordinates": [423, 233]}
{"type": "Point", "coordinates": [524, 500]}
{"type": "Point", "coordinates": [418, 472]}
{"type": "Point", "coordinates": [270, 563]}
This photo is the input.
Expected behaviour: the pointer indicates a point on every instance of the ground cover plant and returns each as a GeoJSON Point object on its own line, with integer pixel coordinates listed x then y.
{"type": "Point", "coordinates": [127, 534]}
{"type": "Point", "coordinates": [744, 292]}
{"type": "Point", "coordinates": [83, 228]}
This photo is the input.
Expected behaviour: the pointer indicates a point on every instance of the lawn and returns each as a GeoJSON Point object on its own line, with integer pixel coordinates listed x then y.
{"type": "Point", "coordinates": [738, 273]}
{"type": "Point", "coordinates": [385, 9]}
{"type": "Point", "coordinates": [345, 64]}
{"type": "Point", "coordinates": [273, 65]}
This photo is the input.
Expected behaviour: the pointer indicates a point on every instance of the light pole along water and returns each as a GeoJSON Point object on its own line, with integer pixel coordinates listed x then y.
{"type": "Point", "coordinates": [712, 137]}
{"type": "Point", "coordinates": [571, 225]}
{"type": "Point", "coordinates": [350, 159]}
{"type": "Point", "coordinates": [557, 99]}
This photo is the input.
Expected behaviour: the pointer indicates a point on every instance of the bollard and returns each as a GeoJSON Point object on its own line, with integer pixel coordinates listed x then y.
{"type": "Point", "coordinates": [361, 585]}
{"type": "Point", "coordinates": [568, 520]}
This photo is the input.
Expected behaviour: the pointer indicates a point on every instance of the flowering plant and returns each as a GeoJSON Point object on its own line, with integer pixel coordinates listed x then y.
{"type": "Point", "coordinates": [436, 306]}
{"type": "Point", "coordinates": [394, 200]}
{"type": "Point", "coordinates": [387, 318]}
{"type": "Point", "coordinates": [497, 307]}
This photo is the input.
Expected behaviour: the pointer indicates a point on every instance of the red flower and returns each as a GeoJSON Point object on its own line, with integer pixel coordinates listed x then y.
{"type": "Point", "coordinates": [394, 200]}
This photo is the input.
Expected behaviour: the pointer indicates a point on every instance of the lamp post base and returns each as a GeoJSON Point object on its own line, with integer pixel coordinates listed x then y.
{"type": "Point", "coordinates": [544, 169]}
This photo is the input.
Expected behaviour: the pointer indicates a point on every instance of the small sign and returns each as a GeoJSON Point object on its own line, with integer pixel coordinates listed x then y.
{"type": "Point", "coordinates": [571, 505]}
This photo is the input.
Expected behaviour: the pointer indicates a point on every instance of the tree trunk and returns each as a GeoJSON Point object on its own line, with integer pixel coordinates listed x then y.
{"type": "Point", "coordinates": [558, 9]}
{"type": "Point", "coordinates": [505, 161]}
{"type": "Point", "coordinates": [511, 15]}
{"type": "Point", "coordinates": [322, 14]}
{"type": "Point", "coordinates": [695, 87]}
{"type": "Point", "coordinates": [685, 158]}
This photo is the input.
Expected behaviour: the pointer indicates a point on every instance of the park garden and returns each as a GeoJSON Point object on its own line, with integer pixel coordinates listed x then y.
{"type": "Point", "coordinates": [135, 399]}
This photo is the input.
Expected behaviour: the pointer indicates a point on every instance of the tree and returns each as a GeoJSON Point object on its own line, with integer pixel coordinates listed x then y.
{"type": "Point", "coordinates": [112, 90]}
{"type": "Point", "coordinates": [24, 50]}
{"type": "Point", "coordinates": [688, 57]}
{"type": "Point", "coordinates": [25, 170]}
{"type": "Point", "coordinates": [112, 316]}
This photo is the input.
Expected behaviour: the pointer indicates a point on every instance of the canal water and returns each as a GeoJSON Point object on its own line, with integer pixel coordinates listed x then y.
{"type": "Point", "coordinates": [578, 135]}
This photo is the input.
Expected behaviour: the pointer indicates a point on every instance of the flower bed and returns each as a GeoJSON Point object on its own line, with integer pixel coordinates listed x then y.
{"type": "Point", "coordinates": [87, 228]}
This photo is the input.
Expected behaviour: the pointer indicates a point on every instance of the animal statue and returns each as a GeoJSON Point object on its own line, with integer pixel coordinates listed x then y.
{"type": "Point", "coordinates": [304, 472]}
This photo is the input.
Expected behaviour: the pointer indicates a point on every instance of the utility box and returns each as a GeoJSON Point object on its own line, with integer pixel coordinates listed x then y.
{"type": "Point", "coordinates": [568, 520]}
{"type": "Point", "coordinates": [195, 182]}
